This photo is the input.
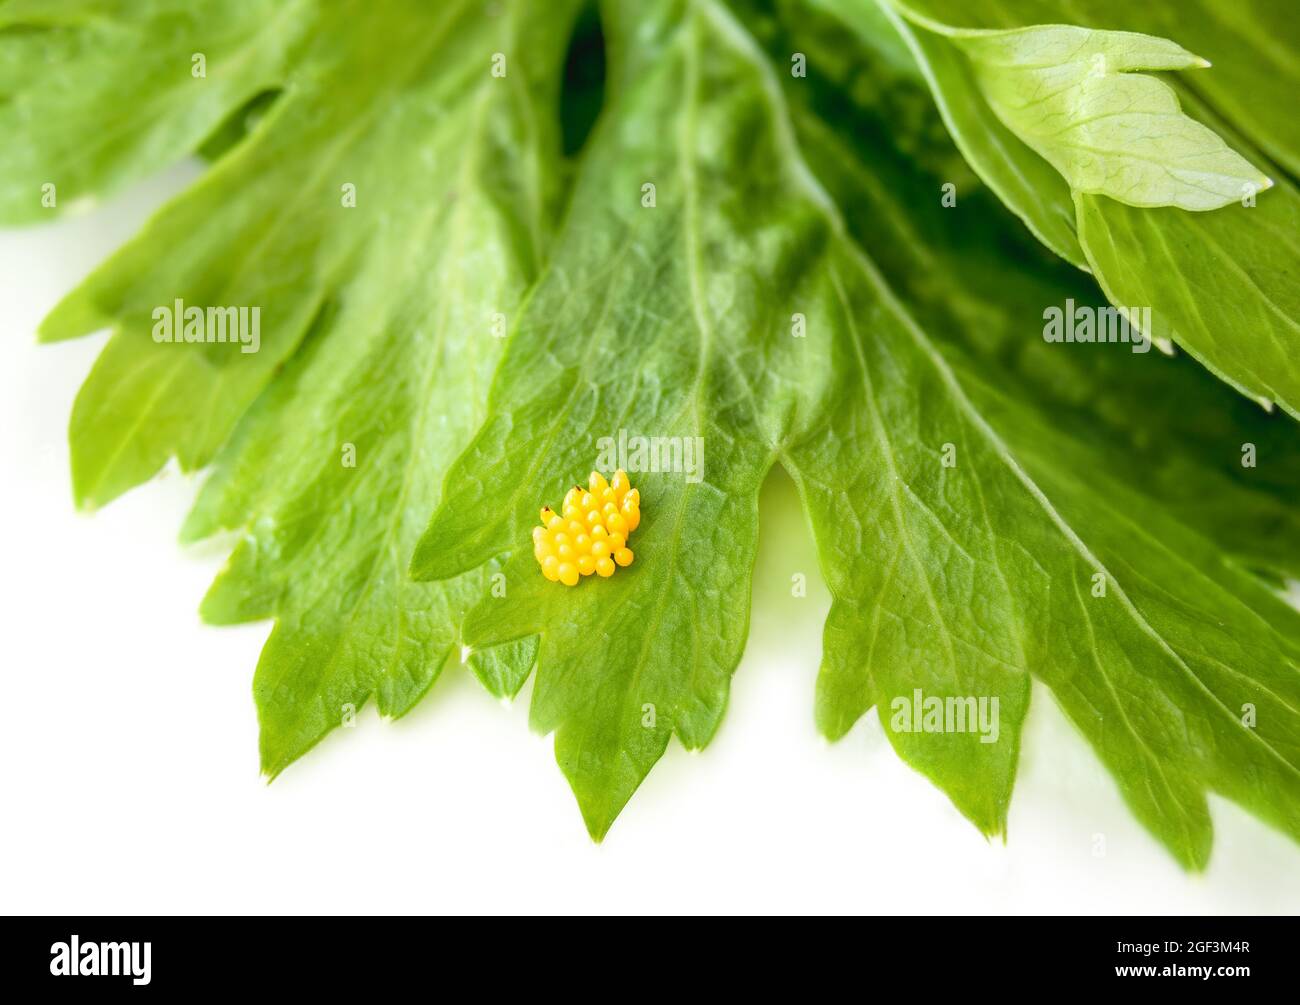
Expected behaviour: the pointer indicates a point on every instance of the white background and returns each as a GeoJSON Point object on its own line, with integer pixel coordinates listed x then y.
{"type": "Point", "coordinates": [128, 748]}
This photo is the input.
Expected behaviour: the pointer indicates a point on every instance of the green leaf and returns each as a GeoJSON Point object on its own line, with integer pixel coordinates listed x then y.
{"type": "Point", "coordinates": [1030, 186]}
{"type": "Point", "coordinates": [1070, 94]}
{"type": "Point", "coordinates": [129, 100]}
{"type": "Point", "coordinates": [1222, 287]}
{"type": "Point", "coordinates": [989, 509]}
{"type": "Point", "coordinates": [969, 579]}
{"type": "Point", "coordinates": [377, 336]}
{"type": "Point", "coordinates": [1221, 283]}
{"type": "Point", "coordinates": [1251, 45]}
{"type": "Point", "coordinates": [969, 276]}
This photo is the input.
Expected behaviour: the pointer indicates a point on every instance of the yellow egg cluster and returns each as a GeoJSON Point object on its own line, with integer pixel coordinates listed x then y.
{"type": "Point", "coordinates": [590, 532]}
